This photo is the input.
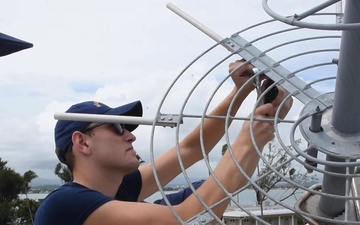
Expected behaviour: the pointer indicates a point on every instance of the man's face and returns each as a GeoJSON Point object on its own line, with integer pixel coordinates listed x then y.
{"type": "Point", "coordinates": [113, 149]}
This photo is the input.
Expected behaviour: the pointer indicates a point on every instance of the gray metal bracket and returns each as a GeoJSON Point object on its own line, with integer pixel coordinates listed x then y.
{"type": "Point", "coordinates": [279, 74]}
{"type": "Point", "coordinates": [327, 140]}
{"type": "Point", "coordinates": [202, 219]}
{"type": "Point", "coordinates": [168, 120]}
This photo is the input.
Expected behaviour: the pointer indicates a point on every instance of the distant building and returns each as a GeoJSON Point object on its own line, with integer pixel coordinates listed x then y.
{"type": "Point", "coordinates": [274, 215]}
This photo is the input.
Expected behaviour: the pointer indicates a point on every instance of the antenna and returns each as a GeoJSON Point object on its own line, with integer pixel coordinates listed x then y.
{"type": "Point", "coordinates": [329, 121]}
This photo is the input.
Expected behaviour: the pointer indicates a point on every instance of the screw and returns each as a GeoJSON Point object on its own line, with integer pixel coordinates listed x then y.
{"type": "Point", "coordinates": [202, 219]}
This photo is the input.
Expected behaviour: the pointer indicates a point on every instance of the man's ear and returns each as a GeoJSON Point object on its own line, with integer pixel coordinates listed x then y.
{"type": "Point", "coordinates": [80, 142]}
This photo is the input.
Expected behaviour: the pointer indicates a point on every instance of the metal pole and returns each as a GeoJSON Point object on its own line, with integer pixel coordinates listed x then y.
{"type": "Point", "coordinates": [346, 108]}
{"type": "Point", "coordinates": [335, 185]}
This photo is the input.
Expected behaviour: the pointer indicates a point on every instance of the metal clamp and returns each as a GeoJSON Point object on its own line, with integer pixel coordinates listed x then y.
{"type": "Point", "coordinates": [202, 219]}
{"type": "Point", "coordinates": [168, 120]}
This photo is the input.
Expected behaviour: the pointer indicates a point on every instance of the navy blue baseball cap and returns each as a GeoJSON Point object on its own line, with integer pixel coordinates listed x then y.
{"type": "Point", "coordinates": [65, 128]}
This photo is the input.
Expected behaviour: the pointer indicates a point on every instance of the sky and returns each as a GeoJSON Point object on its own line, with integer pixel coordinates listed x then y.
{"type": "Point", "coordinates": [116, 52]}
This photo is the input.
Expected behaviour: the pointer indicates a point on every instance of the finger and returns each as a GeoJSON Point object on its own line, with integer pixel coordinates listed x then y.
{"type": "Point", "coordinates": [285, 108]}
{"type": "Point", "coordinates": [239, 61]}
{"type": "Point", "coordinates": [264, 110]}
{"type": "Point", "coordinates": [238, 69]}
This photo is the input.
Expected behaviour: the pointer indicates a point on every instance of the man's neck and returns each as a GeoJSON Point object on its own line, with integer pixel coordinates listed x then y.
{"type": "Point", "coordinates": [106, 183]}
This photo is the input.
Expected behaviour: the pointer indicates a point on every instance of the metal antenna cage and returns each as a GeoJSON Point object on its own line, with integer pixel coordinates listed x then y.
{"type": "Point", "coordinates": [305, 59]}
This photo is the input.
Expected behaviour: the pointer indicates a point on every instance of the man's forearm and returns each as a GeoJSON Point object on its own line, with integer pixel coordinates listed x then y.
{"type": "Point", "coordinates": [213, 128]}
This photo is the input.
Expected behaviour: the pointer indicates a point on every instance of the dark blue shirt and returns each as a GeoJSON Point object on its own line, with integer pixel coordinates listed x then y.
{"type": "Point", "coordinates": [71, 204]}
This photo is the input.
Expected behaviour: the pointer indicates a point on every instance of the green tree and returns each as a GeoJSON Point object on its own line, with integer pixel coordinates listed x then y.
{"type": "Point", "coordinates": [140, 159]}
{"type": "Point", "coordinates": [12, 209]}
{"type": "Point", "coordinates": [25, 210]}
{"type": "Point", "coordinates": [6, 213]}
{"type": "Point", "coordinates": [357, 169]}
{"type": "Point", "coordinates": [2, 164]}
{"type": "Point", "coordinates": [28, 177]}
{"type": "Point", "coordinates": [11, 183]}
{"type": "Point", "coordinates": [63, 173]}
{"type": "Point", "coordinates": [275, 157]}
{"type": "Point", "coordinates": [223, 149]}
{"type": "Point", "coordinates": [31, 205]}
{"type": "Point", "coordinates": [278, 159]}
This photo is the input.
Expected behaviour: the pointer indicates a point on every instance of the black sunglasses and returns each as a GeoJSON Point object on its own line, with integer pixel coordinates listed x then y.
{"type": "Point", "coordinates": [119, 128]}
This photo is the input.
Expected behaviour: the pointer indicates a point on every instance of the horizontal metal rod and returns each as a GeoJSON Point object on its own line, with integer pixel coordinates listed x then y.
{"type": "Point", "coordinates": [316, 9]}
{"type": "Point", "coordinates": [103, 118]}
{"type": "Point", "coordinates": [113, 119]}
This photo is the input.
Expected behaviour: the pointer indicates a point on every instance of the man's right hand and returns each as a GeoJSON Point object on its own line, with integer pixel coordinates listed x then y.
{"type": "Point", "coordinates": [240, 74]}
{"type": "Point", "coordinates": [263, 131]}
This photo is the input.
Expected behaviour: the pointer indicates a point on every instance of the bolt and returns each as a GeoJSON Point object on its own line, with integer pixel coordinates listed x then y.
{"type": "Point", "coordinates": [170, 118]}
{"type": "Point", "coordinates": [202, 219]}
{"type": "Point", "coordinates": [162, 118]}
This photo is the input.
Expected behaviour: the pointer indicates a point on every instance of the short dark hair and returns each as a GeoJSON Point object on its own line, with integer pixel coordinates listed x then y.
{"type": "Point", "coordinates": [69, 157]}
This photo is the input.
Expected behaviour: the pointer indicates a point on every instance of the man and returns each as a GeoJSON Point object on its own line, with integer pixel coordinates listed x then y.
{"type": "Point", "coordinates": [102, 158]}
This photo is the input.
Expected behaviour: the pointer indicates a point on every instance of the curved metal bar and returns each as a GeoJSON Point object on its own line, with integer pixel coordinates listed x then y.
{"type": "Point", "coordinates": [295, 20]}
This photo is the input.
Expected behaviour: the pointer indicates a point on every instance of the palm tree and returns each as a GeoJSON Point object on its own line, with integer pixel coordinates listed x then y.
{"type": "Point", "coordinates": [63, 173]}
{"type": "Point", "coordinates": [139, 158]}
{"type": "Point", "coordinates": [223, 149]}
{"type": "Point", "coordinates": [28, 177]}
